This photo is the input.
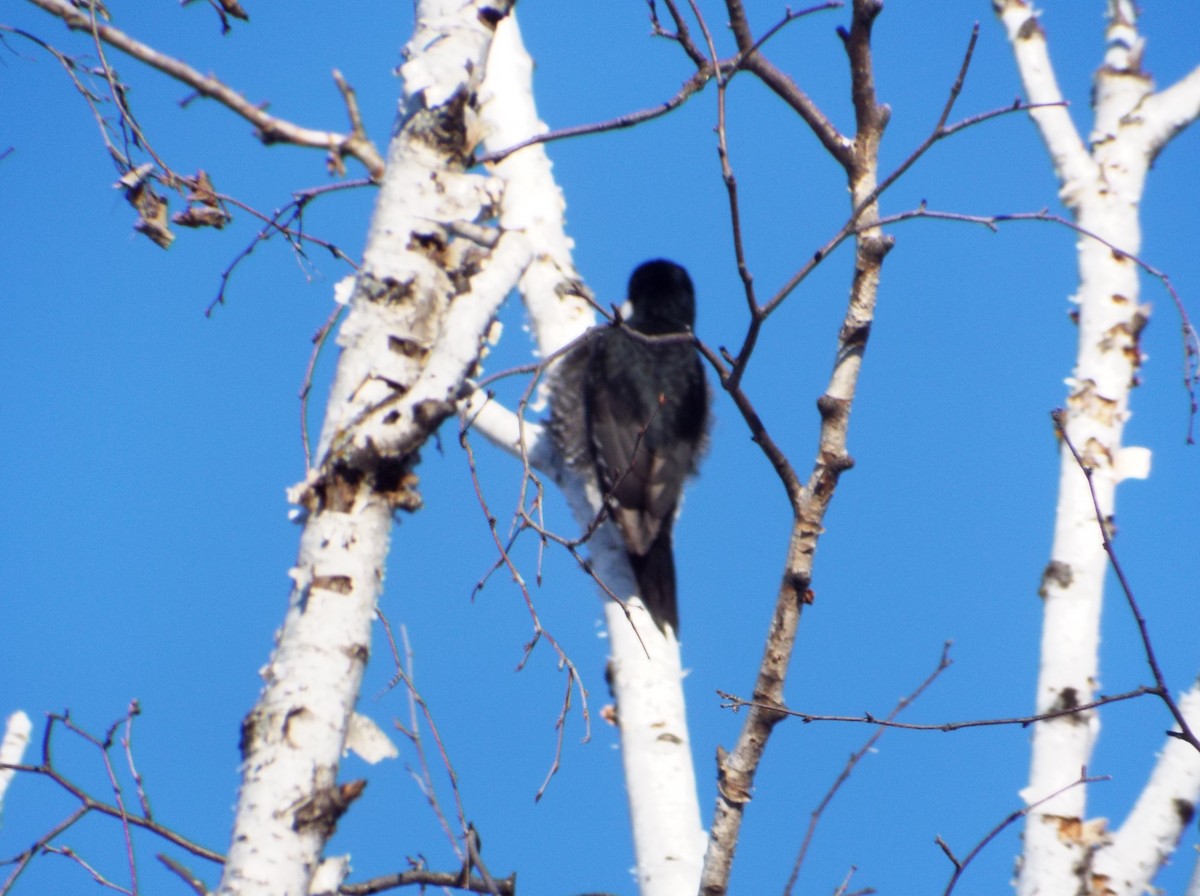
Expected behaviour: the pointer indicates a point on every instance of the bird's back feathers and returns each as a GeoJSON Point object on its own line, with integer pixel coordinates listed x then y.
{"type": "Point", "coordinates": [644, 409]}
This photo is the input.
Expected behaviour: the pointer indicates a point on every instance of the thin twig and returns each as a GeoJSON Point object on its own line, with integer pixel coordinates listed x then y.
{"type": "Point", "coordinates": [118, 794]}
{"type": "Point", "coordinates": [425, 783]}
{"type": "Point", "coordinates": [184, 873]}
{"type": "Point", "coordinates": [1160, 681]}
{"type": "Point", "coordinates": [280, 222]}
{"type": "Point", "coordinates": [522, 517]}
{"type": "Point", "coordinates": [72, 66]}
{"type": "Point", "coordinates": [734, 702]}
{"type": "Point", "coordinates": [424, 878]}
{"type": "Point", "coordinates": [836, 144]}
{"type": "Point", "coordinates": [270, 128]}
{"type": "Point", "coordinates": [87, 804]}
{"type": "Point", "coordinates": [687, 90]}
{"type": "Point", "coordinates": [705, 71]}
{"type": "Point", "coordinates": [69, 853]}
{"type": "Point", "coordinates": [319, 339]}
{"type": "Point", "coordinates": [856, 757]}
{"type": "Point", "coordinates": [539, 631]}
{"type": "Point", "coordinates": [1190, 337]}
{"type": "Point", "coordinates": [960, 866]}
{"type": "Point", "coordinates": [468, 854]}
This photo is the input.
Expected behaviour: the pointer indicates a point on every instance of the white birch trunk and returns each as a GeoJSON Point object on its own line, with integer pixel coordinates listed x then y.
{"type": "Point", "coordinates": [12, 749]}
{"type": "Point", "coordinates": [645, 673]}
{"type": "Point", "coordinates": [656, 751]}
{"type": "Point", "coordinates": [1102, 187]}
{"type": "Point", "coordinates": [1127, 863]}
{"type": "Point", "coordinates": [409, 340]}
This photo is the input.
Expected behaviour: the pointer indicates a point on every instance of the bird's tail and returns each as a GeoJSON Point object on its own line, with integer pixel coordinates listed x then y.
{"type": "Point", "coordinates": [655, 574]}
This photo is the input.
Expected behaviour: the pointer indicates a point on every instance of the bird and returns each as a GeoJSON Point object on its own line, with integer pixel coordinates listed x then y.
{"type": "Point", "coordinates": [645, 406]}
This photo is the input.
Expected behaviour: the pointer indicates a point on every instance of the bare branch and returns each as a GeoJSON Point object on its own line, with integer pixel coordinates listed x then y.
{"type": "Point", "coordinates": [1170, 110]}
{"type": "Point", "coordinates": [425, 878]}
{"type": "Point", "coordinates": [837, 144]}
{"type": "Point", "coordinates": [690, 87]}
{"type": "Point", "coordinates": [68, 853]}
{"type": "Point", "coordinates": [1105, 524]}
{"type": "Point", "coordinates": [1189, 337]}
{"type": "Point", "coordinates": [287, 222]}
{"type": "Point", "coordinates": [319, 340]}
{"type": "Point", "coordinates": [682, 34]}
{"type": "Point", "coordinates": [1029, 47]}
{"type": "Point", "coordinates": [852, 225]}
{"type": "Point", "coordinates": [960, 866]}
{"type": "Point", "coordinates": [706, 70]}
{"type": "Point", "coordinates": [469, 851]}
{"type": "Point", "coordinates": [270, 129]}
{"type": "Point", "coordinates": [181, 871]}
{"type": "Point", "coordinates": [736, 770]}
{"type": "Point", "coordinates": [734, 702]}
{"type": "Point", "coordinates": [855, 758]}
{"type": "Point", "coordinates": [88, 804]}
{"type": "Point", "coordinates": [73, 68]}
{"type": "Point", "coordinates": [758, 430]}
{"type": "Point", "coordinates": [1150, 833]}
{"type": "Point", "coordinates": [539, 632]}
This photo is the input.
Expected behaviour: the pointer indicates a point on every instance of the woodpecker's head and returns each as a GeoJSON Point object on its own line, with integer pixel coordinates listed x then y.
{"type": "Point", "coordinates": [662, 297]}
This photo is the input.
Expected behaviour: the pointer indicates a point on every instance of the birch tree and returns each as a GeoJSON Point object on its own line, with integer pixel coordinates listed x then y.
{"type": "Point", "coordinates": [411, 336]}
{"type": "Point", "coordinates": [1101, 183]}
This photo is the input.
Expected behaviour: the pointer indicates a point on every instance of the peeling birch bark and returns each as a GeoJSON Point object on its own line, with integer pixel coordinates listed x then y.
{"type": "Point", "coordinates": [1101, 184]}
{"type": "Point", "coordinates": [418, 313]}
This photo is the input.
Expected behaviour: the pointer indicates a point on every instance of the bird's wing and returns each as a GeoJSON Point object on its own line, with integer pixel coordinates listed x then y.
{"type": "Point", "coordinates": [625, 467]}
{"type": "Point", "coordinates": [640, 470]}
{"type": "Point", "coordinates": [675, 432]}
{"type": "Point", "coordinates": [567, 421]}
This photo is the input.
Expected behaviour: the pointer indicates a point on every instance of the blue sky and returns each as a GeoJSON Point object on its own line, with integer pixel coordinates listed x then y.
{"type": "Point", "coordinates": [145, 536]}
